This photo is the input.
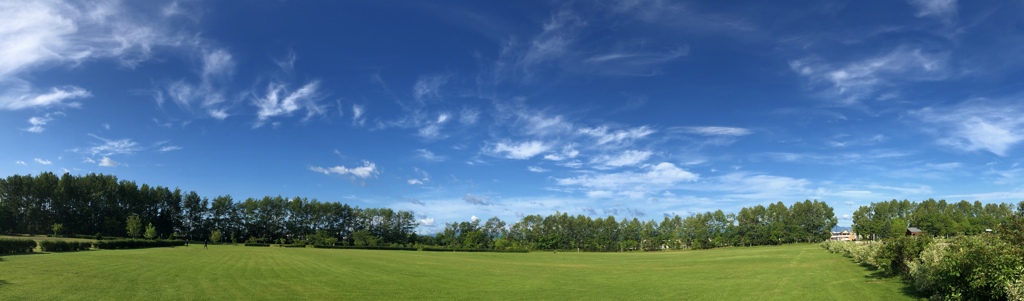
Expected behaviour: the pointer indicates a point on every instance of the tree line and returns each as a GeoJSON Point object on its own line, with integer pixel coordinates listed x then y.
{"type": "Point", "coordinates": [807, 221]}
{"type": "Point", "coordinates": [101, 205]}
{"type": "Point", "coordinates": [939, 218]}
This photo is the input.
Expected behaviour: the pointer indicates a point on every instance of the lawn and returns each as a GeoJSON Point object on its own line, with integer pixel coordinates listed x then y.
{"type": "Point", "coordinates": [792, 272]}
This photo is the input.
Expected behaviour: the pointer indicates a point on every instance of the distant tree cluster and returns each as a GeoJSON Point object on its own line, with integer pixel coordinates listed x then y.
{"type": "Point", "coordinates": [939, 218]}
{"type": "Point", "coordinates": [97, 204]}
{"type": "Point", "coordinates": [103, 206]}
{"type": "Point", "coordinates": [807, 221]}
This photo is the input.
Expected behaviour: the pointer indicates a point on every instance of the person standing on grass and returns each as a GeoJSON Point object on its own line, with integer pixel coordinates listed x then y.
{"type": "Point", "coordinates": [206, 243]}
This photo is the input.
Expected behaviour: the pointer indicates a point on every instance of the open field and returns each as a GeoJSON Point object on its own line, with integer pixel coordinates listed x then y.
{"type": "Point", "coordinates": [792, 272]}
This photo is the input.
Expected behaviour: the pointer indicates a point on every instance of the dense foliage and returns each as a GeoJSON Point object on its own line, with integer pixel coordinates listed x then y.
{"type": "Point", "coordinates": [807, 221]}
{"type": "Point", "coordinates": [938, 218]}
{"type": "Point", "coordinates": [121, 244]}
{"type": "Point", "coordinates": [988, 266]}
{"type": "Point", "coordinates": [63, 246]}
{"type": "Point", "coordinates": [14, 246]}
{"type": "Point", "coordinates": [100, 205]}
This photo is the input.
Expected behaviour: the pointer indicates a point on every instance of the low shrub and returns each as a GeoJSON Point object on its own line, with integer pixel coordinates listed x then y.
{"type": "Point", "coordinates": [63, 246]}
{"type": "Point", "coordinates": [14, 246]}
{"type": "Point", "coordinates": [895, 253]}
{"type": "Point", "coordinates": [979, 267]}
{"type": "Point", "coordinates": [123, 244]}
{"type": "Point", "coordinates": [256, 244]}
{"type": "Point", "coordinates": [295, 245]}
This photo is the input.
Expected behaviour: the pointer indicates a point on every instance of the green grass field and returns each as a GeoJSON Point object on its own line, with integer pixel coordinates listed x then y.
{"type": "Point", "coordinates": [792, 272]}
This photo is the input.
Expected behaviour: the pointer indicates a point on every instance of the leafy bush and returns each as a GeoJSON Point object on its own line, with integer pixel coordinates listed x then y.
{"type": "Point", "coordinates": [256, 244]}
{"type": "Point", "coordinates": [14, 246]}
{"type": "Point", "coordinates": [63, 246]}
{"type": "Point", "coordinates": [924, 270]}
{"type": "Point", "coordinates": [122, 244]}
{"type": "Point", "coordinates": [295, 245]}
{"type": "Point", "coordinates": [894, 254]}
{"type": "Point", "coordinates": [978, 268]}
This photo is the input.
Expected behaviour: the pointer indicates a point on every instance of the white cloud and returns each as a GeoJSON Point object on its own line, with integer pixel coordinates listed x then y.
{"type": "Point", "coordinates": [976, 125]}
{"type": "Point", "coordinates": [519, 151]}
{"type": "Point", "coordinates": [603, 136]}
{"type": "Point", "coordinates": [716, 131]}
{"type": "Point", "coordinates": [599, 194]}
{"type": "Point", "coordinates": [369, 169]}
{"type": "Point", "coordinates": [428, 87]}
{"type": "Point", "coordinates": [113, 147]}
{"type": "Point", "coordinates": [38, 35]}
{"type": "Point", "coordinates": [169, 148]}
{"type": "Point", "coordinates": [43, 162]}
{"type": "Point", "coordinates": [432, 130]}
{"type": "Point", "coordinates": [17, 95]}
{"type": "Point", "coordinates": [19, 162]}
{"type": "Point", "coordinates": [217, 63]}
{"type": "Point", "coordinates": [287, 64]}
{"type": "Point", "coordinates": [469, 116]}
{"type": "Point", "coordinates": [429, 156]}
{"type": "Point", "coordinates": [853, 81]}
{"type": "Point", "coordinates": [357, 115]}
{"type": "Point", "coordinates": [278, 101]}
{"type": "Point", "coordinates": [220, 114]}
{"type": "Point", "coordinates": [477, 200]}
{"type": "Point", "coordinates": [660, 175]}
{"type": "Point", "coordinates": [568, 152]}
{"type": "Point", "coordinates": [474, 218]}
{"type": "Point", "coordinates": [107, 162]}
{"type": "Point", "coordinates": [626, 158]}
{"type": "Point", "coordinates": [536, 169]}
{"type": "Point", "coordinates": [944, 9]}
{"type": "Point", "coordinates": [414, 182]}
{"type": "Point", "coordinates": [426, 222]}
{"type": "Point", "coordinates": [38, 123]}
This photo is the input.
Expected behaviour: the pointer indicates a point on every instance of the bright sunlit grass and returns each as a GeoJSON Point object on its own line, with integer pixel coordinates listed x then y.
{"type": "Point", "coordinates": [792, 272]}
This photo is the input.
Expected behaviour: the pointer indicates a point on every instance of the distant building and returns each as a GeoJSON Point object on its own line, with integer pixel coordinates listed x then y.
{"type": "Point", "coordinates": [911, 231]}
{"type": "Point", "coordinates": [843, 236]}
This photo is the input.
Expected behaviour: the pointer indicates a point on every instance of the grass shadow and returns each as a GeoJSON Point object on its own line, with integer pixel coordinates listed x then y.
{"type": "Point", "coordinates": [907, 289]}
{"type": "Point", "coordinates": [4, 282]}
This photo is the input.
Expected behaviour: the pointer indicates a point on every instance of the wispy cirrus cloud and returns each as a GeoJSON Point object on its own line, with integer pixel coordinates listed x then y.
{"type": "Point", "coordinates": [43, 161]}
{"type": "Point", "coordinates": [850, 82]}
{"type": "Point", "coordinates": [626, 158]}
{"type": "Point", "coordinates": [714, 131]}
{"type": "Point", "coordinates": [39, 35]}
{"type": "Point", "coordinates": [278, 101]}
{"type": "Point", "coordinates": [657, 176]}
{"type": "Point", "coordinates": [19, 162]}
{"type": "Point", "coordinates": [942, 9]}
{"type": "Point", "coordinates": [483, 201]}
{"type": "Point", "coordinates": [975, 125]}
{"type": "Point", "coordinates": [429, 156]}
{"type": "Point", "coordinates": [603, 135]}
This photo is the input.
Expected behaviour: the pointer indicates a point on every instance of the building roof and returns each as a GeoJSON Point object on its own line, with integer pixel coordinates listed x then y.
{"type": "Point", "coordinates": [914, 230]}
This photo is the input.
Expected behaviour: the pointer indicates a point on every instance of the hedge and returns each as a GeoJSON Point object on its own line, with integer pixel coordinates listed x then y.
{"type": "Point", "coordinates": [415, 249]}
{"type": "Point", "coordinates": [366, 247]}
{"type": "Point", "coordinates": [122, 244]}
{"type": "Point", "coordinates": [14, 246]}
{"type": "Point", "coordinates": [63, 246]}
{"type": "Point", "coordinates": [298, 245]}
{"type": "Point", "coordinates": [254, 244]}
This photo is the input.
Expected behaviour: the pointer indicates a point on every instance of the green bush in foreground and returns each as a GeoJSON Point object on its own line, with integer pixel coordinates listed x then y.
{"type": "Point", "coordinates": [122, 244]}
{"type": "Point", "coordinates": [63, 246]}
{"type": "Point", "coordinates": [14, 246]}
{"type": "Point", "coordinates": [981, 267]}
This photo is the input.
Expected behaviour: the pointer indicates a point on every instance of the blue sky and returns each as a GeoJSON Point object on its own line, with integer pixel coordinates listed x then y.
{"type": "Point", "coordinates": [459, 110]}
